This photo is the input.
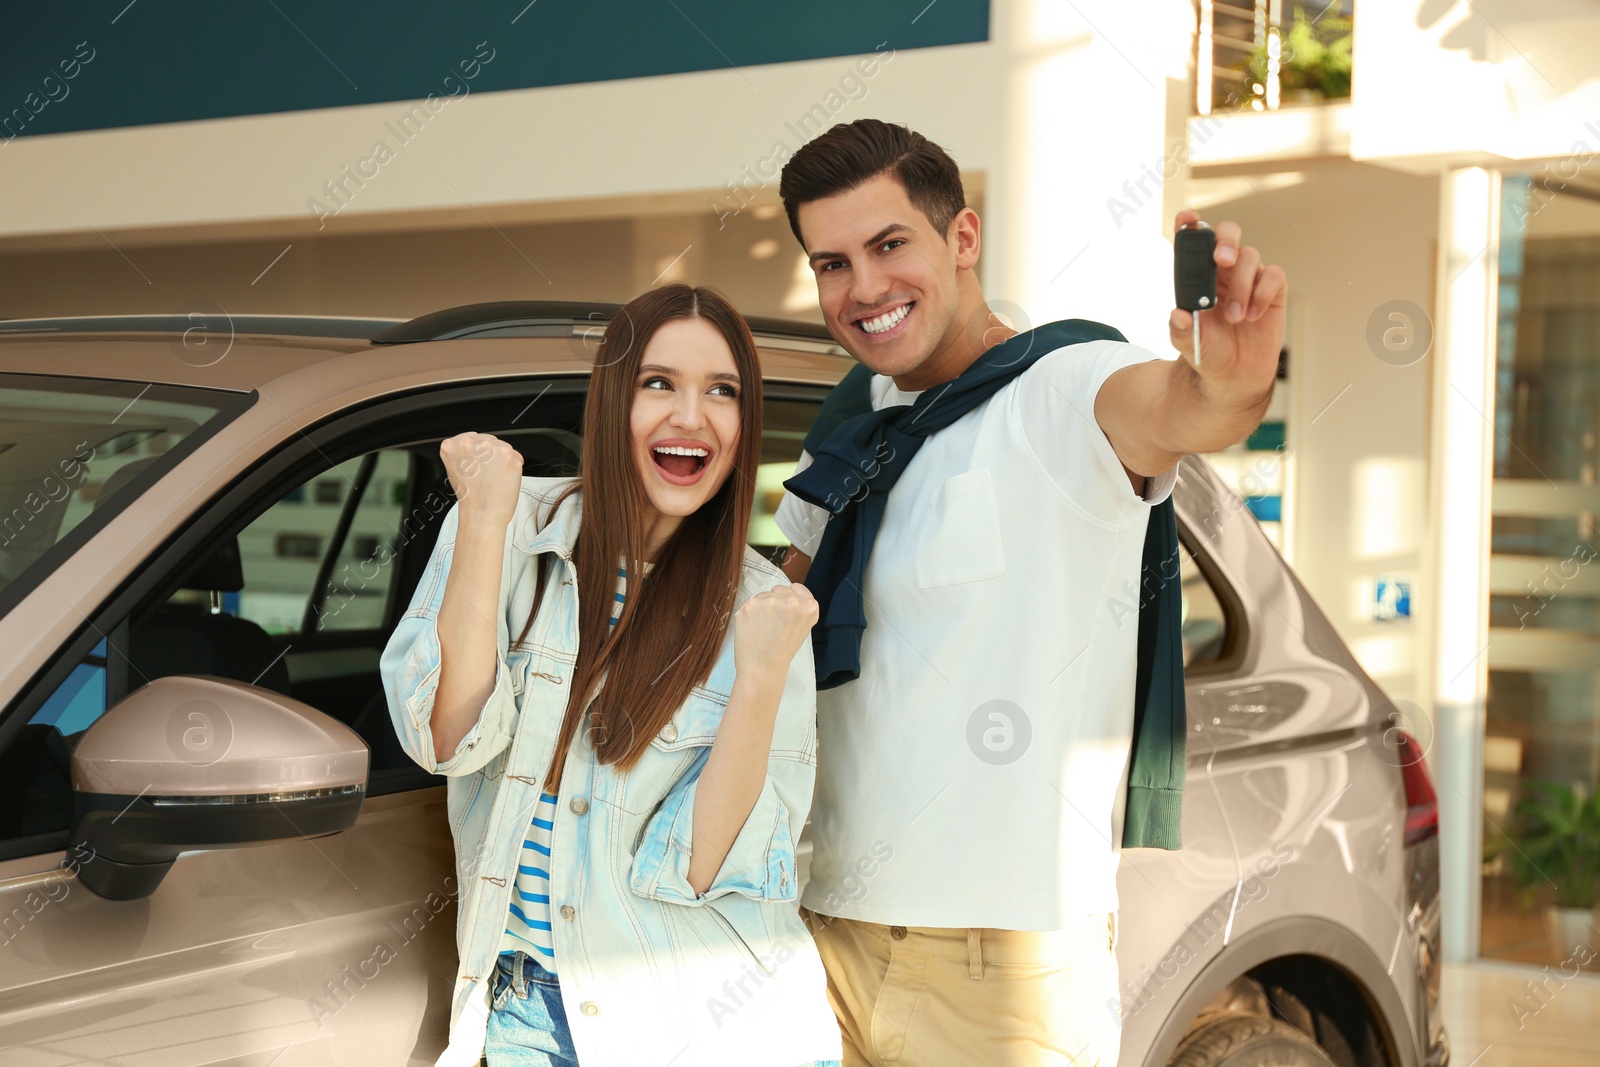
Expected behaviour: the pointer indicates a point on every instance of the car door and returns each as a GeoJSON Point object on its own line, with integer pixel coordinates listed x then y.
{"type": "Point", "coordinates": [1175, 906]}
{"type": "Point", "coordinates": [338, 948]}
{"type": "Point", "coordinates": [334, 949]}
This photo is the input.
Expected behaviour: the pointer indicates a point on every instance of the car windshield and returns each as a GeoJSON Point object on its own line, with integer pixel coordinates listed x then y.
{"type": "Point", "coordinates": [69, 447]}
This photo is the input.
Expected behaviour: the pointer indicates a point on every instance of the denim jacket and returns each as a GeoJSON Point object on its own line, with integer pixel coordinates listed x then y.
{"type": "Point", "coordinates": [650, 972]}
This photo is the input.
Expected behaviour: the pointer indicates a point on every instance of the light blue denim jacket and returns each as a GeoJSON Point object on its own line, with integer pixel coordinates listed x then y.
{"type": "Point", "coordinates": [650, 972]}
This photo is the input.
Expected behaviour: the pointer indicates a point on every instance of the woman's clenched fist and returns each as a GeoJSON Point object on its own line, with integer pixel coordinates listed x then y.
{"type": "Point", "coordinates": [769, 628]}
{"type": "Point", "coordinates": [486, 475]}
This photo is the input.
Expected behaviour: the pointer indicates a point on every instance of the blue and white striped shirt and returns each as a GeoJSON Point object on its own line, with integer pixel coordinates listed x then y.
{"type": "Point", "coordinates": [528, 923]}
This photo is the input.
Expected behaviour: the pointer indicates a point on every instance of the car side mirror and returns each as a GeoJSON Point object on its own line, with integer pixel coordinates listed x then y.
{"type": "Point", "coordinates": [199, 762]}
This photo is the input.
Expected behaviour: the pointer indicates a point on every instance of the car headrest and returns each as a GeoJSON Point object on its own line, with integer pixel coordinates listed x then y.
{"type": "Point", "coordinates": [221, 570]}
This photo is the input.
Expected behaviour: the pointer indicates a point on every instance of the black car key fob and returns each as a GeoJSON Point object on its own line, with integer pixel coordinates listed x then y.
{"type": "Point", "coordinates": [1194, 273]}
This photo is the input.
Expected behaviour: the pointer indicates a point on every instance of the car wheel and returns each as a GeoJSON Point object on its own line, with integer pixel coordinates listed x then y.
{"type": "Point", "coordinates": [1248, 1041]}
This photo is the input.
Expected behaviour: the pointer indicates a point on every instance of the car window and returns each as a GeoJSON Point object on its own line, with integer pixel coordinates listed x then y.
{"type": "Point", "coordinates": [282, 553]}
{"type": "Point", "coordinates": [35, 767]}
{"type": "Point", "coordinates": [81, 699]}
{"type": "Point", "coordinates": [70, 446]}
{"type": "Point", "coordinates": [783, 427]}
{"type": "Point", "coordinates": [1205, 623]}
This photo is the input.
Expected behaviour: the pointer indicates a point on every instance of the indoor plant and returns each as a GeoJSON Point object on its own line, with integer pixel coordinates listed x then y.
{"type": "Point", "coordinates": [1555, 837]}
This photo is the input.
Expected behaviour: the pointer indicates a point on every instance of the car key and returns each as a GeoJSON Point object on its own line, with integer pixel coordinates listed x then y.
{"type": "Point", "coordinates": [1194, 273]}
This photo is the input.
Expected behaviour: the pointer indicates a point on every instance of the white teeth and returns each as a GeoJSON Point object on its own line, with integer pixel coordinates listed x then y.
{"type": "Point", "coordinates": [887, 321]}
{"type": "Point", "coordinates": [679, 450]}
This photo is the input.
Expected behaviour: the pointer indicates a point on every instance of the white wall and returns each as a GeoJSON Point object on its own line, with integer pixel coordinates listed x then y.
{"type": "Point", "coordinates": [1350, 237]}
{"type": "Point", "coordinates": [1474, 81]}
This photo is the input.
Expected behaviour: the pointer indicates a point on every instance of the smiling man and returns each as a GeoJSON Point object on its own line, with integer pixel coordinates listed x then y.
{"type": "Point", "coordinates": [974, 511]}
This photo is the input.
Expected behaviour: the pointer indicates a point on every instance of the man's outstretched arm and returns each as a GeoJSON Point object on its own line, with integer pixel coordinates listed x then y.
{"type": "Point", "coordinates": [1155, 413]}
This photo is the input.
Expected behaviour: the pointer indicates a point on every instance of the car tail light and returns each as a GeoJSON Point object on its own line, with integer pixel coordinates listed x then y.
{"type": "Point", "coordinates": [1422, 804]}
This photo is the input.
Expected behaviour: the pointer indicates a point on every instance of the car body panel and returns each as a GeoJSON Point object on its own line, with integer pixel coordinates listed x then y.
{"type": "Point", "coordinates": [338, 948]}
{"type": "Point", "coordinates": [1311, 813]}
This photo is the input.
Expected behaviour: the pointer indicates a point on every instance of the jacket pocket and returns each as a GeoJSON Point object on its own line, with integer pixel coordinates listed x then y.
{"type": "Point", "coordinates": [960, 541]}
{"type": "Point", "coordinates": [738, 938]}
{"type": "Point", "coordinates": [672, 752]}
{"type": "Point", "coordinates": [693, 724]}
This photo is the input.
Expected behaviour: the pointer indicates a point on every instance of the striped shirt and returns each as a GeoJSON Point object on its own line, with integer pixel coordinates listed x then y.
{"type": "Point", "coordinates": [528, 922]}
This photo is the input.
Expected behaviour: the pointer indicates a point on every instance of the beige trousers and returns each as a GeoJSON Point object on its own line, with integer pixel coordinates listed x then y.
{"type": "Point", "coordinates": [933, 996]}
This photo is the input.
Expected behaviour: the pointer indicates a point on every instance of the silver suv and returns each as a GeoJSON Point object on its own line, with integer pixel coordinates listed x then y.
{"type": "Point", "coordinates": [213, 850]}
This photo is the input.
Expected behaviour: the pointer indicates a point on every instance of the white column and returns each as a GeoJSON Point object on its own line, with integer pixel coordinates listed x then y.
{"type": "Point", "coordinates": [1076, 220]}
{"type": "Point", "coordinates": [1461, 477]}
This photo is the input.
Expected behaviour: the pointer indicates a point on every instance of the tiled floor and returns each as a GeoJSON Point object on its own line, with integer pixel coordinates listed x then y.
{"type": "Point", "coordinates": [1513, 931]}
{"type": "Point", "coordinates": [1496, 1019]}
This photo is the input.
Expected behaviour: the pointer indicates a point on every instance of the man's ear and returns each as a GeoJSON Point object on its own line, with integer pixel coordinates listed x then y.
{"type": "Point", "coordinates": [965, 237]}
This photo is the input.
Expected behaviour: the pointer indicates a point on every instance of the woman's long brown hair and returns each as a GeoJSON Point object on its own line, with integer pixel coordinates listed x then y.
{"type": "Point", "coordinates": [673, 623]}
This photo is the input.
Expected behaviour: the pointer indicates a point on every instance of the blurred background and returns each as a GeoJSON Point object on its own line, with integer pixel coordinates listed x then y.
{"type": "Point", "coordinates": [1424, 171]}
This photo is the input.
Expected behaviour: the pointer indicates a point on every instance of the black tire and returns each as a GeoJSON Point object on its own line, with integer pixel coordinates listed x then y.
{"type": "Point", "coordinates": [1248, 1041]}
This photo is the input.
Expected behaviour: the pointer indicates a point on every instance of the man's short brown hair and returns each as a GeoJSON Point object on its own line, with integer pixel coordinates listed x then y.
{"type": "Point", "coordinates": [854, 152]}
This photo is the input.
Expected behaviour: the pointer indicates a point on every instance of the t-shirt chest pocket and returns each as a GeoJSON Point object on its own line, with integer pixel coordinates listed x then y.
{"type": "Point", "coordinates": [960, 538]}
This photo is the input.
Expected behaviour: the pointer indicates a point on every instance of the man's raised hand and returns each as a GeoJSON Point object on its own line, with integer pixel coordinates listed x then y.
{"type": "Point", "coordinates": [1241, 337]}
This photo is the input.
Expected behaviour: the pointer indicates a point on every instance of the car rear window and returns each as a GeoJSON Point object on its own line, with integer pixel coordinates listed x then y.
{"type": "Point", "coordinates": [73, 451]}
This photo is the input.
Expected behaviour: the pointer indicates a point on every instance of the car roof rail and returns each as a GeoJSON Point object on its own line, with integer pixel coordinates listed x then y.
{"type": "Point", "coordinates": [569, 318]}
{"type": "Point", "coordinates": [213, 321]}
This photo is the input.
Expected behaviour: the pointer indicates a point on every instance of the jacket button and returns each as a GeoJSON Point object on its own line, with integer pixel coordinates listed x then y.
{"type": "Point", "coordinates": [897, 932]}
{"type": "Point", "coordinates": [579, 805]}
{"type": "Point", "coordinates": [566, 912]}
{"type": "Point", "coordinates": [589, 1007]}
{"type": "Point", "coordinates": [669, 732]}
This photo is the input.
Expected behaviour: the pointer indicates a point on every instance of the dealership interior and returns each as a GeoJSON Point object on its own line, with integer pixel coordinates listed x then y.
{"type": "Point", "coordinates": [1440, 500]}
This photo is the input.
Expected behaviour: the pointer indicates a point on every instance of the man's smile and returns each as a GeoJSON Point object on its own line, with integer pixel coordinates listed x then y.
{"type": "Point", "coordinates": [887, 323]}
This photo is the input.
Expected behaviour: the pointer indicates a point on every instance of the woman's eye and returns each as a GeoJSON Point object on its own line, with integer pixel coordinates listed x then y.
{"type": "Point", "coordinates": [648, 382]}
{"type": "Point", "coordinates": [731, 391]}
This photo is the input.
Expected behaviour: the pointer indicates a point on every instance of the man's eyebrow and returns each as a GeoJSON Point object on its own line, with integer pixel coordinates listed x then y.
{"type": "Point", "coordinates": [877, 238]}
{"type": "Point", "coordinates": [718, 376]}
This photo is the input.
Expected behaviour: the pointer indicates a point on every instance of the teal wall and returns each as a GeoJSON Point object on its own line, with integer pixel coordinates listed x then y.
{"type": "Point", "coordinates": [84, 66]}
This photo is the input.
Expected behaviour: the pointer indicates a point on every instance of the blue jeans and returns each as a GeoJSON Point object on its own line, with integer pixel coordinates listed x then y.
{"type": "Point", "coordinates": [528, 1027]}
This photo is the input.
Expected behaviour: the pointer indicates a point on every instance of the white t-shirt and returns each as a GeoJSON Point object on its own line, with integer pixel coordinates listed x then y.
{"type": "Point", "coordinates": [975, 773]}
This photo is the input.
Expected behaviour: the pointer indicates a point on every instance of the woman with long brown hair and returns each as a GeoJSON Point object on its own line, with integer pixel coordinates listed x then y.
{"type": "Point", "coordinates": [627, 787]}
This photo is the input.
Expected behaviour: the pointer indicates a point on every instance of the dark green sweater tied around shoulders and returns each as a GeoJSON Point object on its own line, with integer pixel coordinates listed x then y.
{"type": "Point", "coordinates": [857, 456]}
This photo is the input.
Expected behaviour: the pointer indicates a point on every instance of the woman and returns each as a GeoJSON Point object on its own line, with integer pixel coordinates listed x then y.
{"type": "Point", "coordinates": [626, 789]}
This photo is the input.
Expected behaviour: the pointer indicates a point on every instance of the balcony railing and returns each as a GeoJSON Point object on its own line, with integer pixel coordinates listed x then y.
{"type": "Point", "coordinates": [1243, 63]}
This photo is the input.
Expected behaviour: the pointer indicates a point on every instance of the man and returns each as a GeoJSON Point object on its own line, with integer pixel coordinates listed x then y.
{"type": "Point", "coordinates": [977, 679]}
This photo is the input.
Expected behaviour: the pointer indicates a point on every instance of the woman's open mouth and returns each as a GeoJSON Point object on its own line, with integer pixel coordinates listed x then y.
{"type": "Point", "coordinates": [680, 464]}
